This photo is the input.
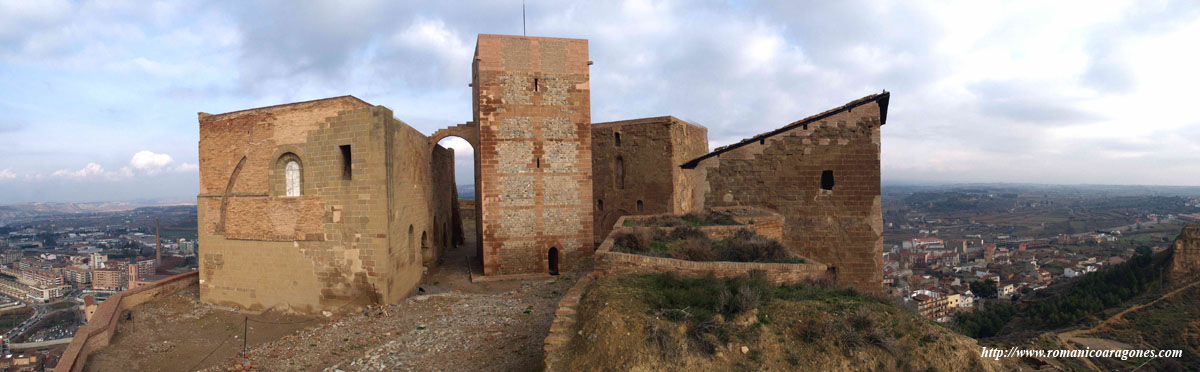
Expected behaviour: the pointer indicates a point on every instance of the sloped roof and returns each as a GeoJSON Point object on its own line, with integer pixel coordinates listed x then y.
{"type": "Point", "coordinates": [881, 98]}
{"type": "Point", "coordinates": [279, 106]}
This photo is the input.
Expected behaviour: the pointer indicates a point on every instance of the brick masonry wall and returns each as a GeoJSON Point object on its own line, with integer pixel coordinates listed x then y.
{"type": "Point", "coordinates": [842, 227]}
{"type": "Point", "coordinates": [565, 318]}
{"type": "Point", "coordinates": [344, 241]}
{"type": "Point", "coordinates": [534, 186]}
{"type": "Point", "coordinates": [651, 151]}
{"type": "Point", "coordinates": [688, 141]}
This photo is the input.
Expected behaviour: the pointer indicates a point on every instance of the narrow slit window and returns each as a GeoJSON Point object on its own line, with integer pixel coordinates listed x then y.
{"type": "Point", "coordinates": [535, 84]}
{"type": "Point", "coordinates": [347, 172]}
{"type": "Point", "coordinates": [620, 173]}
{"type": "Point", "coordinates": [827, 180]}
{"type": "Point", "coordinates": [600, 205]}
{"type": "Point", "coordinates": [617, 138]}
{"type": "Point", "coordinates": [639, 206]}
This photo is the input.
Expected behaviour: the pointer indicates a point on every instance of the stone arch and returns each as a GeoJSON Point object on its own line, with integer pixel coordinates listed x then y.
{"type": "Point", "coordinates": [237, 169]}
{"type": "Point", "coordinates": [439, 135]}
{"type": "Point", "coordinates": [467, 131]}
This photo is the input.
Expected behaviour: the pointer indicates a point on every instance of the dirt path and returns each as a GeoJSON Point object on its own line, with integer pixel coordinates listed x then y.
{"type": "Point", "coordinates": [1066, 338]}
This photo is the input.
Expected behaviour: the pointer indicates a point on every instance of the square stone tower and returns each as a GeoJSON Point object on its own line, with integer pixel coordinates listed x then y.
{"type": "Point", "coordinates": [532, 105]}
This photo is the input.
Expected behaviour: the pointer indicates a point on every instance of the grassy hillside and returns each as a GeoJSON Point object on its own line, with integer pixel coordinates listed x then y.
{"type": "Point", "coordinates": [1080, 301]}
{"type": "Point", "coordinates": [652, 322]}
{"type": "Point", "coordinates": [1172, 323]}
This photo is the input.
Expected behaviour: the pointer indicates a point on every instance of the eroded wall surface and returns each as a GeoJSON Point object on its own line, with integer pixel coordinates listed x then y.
{"type": "Point", "coordinates": [1185, 255]}
{"type": "Point", "coordinates": [841, 227]}
{"type": "Point", "coordinates": [649, 154]}
{"type": "Point", "coordinates": [532, 108]}
{"type": "Point", "coordinates": [333, 247]}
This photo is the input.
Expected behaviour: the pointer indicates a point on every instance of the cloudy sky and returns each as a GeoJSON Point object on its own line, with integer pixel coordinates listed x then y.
{"type": "Point", "coordinates": [99, 98]}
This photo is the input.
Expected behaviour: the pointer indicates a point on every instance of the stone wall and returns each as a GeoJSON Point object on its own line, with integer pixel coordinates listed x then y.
{"type": "Point", "coordinates": [534, 188]}
{"type": "Point", "coordinates": [650, 152]}
{"type": "Point", "coordinates": [783, 170]}
{"type": "Point", "coordinates": [350, 238]}
{"type": "Point", "coordinates": [565, 318]}
{"type": "Point", "coordinates": [1185, 254]}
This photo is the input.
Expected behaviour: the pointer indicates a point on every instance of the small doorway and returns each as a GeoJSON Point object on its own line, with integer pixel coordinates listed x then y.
{"type": "Point", "coordinates": [552, 260]}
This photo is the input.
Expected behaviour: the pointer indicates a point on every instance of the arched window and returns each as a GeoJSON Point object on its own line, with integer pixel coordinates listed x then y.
{"type": "Point", "coordinates": [291, 175]}
{"type": "Point", "coordinates": [639, 206]}
{"type": "Point", "coordinates": [617, 138]}
{"type": "Point", "coordinates": [600, 205]}
{"type": "Point", "coordinates": [620, 173]}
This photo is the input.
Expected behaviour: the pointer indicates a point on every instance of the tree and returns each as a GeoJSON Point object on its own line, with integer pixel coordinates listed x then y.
{"type": "Point", "coordinates": [1144, 250]}
{"type": "Point", "coordinates": [984, 288]}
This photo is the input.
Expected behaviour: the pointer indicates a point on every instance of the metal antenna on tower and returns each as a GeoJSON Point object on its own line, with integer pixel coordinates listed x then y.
{"type": "Point", "coordinates": [523, 19]}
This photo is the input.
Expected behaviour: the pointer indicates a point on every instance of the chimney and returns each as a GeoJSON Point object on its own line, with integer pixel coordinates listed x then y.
{"type": "Point", "coordinates": [157, 247]}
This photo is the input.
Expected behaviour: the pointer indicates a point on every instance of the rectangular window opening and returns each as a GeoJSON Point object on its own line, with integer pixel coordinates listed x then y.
{"type": "Point", "coordinates": [347, 173]}
{"type": "Point", "coordinates": [827, 180]}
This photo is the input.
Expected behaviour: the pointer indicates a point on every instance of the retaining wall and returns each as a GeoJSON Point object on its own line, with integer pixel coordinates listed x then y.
{"type": "Point", "coordinates": [99, 331]}
{"type": "Point", "coordinates": [761, 222]}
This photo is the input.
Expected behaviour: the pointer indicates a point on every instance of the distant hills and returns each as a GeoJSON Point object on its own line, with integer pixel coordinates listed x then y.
{"type": "Point", "coordinates": [15, 212]}
{"type": "Point", "coordinates": [466, 191]}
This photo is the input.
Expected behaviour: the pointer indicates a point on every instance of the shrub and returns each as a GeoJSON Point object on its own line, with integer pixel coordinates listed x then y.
{"type": "Point", "coordinates": [849, 339]}
{"type": "Point", "coordinates": [810, 330]}
{"type": "Point", "coordinates": [862, 320]}
{"type": "Point", "coordinates": [746, 246]}
{"type": "Point", "coordinates": [664, 339]}
{"type": "Point", "coordinates": [746, 299]}
{"type": "Point", "coordinates": [626, 242]}
{"type": "Point", "coordinates": [721, 218]}
{"type": "Point", "coordinates": [694, 250]}
{"type": "Point", "coordinates": [686, 232]}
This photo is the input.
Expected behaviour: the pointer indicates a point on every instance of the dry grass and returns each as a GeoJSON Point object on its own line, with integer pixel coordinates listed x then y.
{"type": "Point", "coordinates": [692, 244]}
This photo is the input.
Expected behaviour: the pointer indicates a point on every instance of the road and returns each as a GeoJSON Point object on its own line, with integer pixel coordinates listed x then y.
{"type": "Point", "coordinates": [40, 311]}
{"type": "Point", "coordinates": [1066, 338]}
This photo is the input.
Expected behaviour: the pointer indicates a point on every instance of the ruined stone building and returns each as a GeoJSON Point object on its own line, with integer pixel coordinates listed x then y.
{"type": "Point", "coordinates": [636, 168]}
{"type": "Point", "coordinates": [316, 205]}
{"type": "Point", "coordinates": [1185, 254]}
{"type": "Point", "coordinates": [334, 203]}
{"type": "Point", "coordinates": [822, 174]}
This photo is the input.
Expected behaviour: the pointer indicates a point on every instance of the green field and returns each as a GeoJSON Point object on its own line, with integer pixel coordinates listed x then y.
{"type": "Point", "coordinates": [10, 319]}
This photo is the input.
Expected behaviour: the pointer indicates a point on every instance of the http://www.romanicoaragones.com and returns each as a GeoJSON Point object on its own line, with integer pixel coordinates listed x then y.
{"type": "Point", "coordinates": [1015, 352]}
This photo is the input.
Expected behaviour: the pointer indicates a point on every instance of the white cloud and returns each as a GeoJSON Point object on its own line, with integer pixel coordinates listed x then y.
{"type": "Point", "coordinates": [91, 169]}
{"type": "Point", "coordinates": [462, 148]}
{"type": "Point", "coordinates": [7, 174]}
{"type": "Point", "coordinates": [1019, 91]}
{"type": "Point", "coordinates": [149, 161]}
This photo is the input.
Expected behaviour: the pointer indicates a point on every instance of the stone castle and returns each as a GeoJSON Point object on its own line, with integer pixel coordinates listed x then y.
{"type": "Point", "coordinates": [313, 206]}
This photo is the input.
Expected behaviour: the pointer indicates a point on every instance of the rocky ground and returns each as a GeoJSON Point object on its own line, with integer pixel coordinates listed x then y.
{"type": "Point", "coordinates": [455, 326]}
{"type": "Point", "coordinates": [440, 332]}
{"type": "Point", "coordinates": [180, 333]}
